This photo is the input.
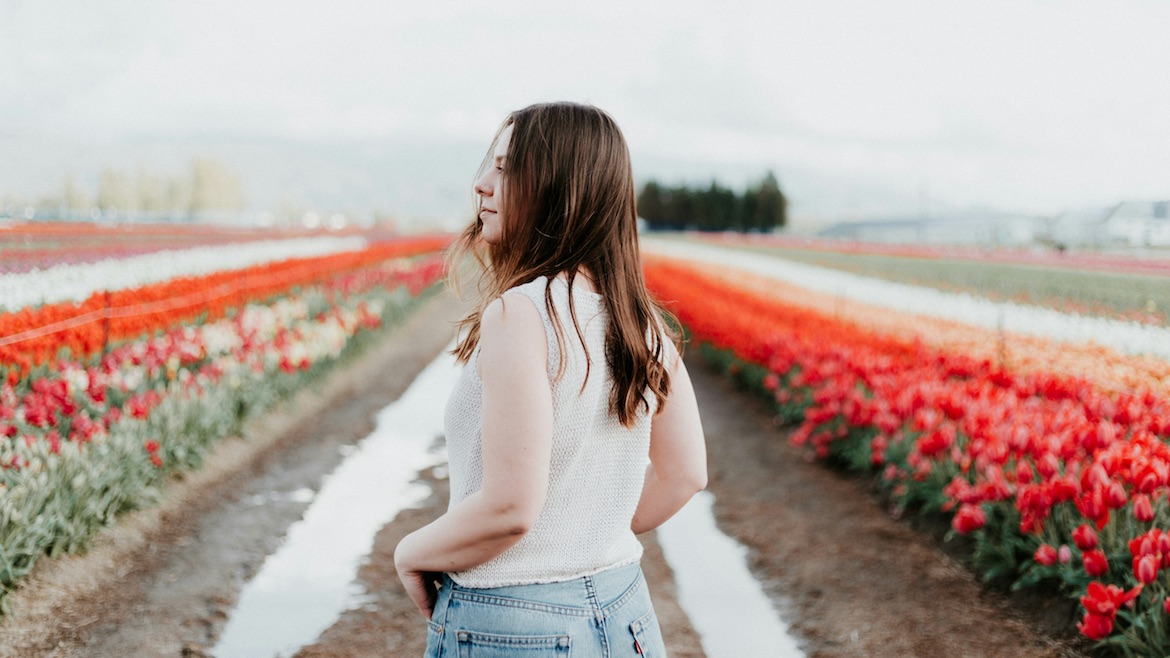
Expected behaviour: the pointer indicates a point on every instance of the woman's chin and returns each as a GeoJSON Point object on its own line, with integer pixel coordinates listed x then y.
{"type": "Point", "coordinates": [490, 237]}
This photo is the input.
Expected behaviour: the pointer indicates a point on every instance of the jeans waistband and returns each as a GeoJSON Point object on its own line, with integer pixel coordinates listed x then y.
{"type": "Point", "coordinates": [602, 592]}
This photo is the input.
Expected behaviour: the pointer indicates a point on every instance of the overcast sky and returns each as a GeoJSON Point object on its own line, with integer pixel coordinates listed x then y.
{"type": "Point", "coordinates": [1026, 105]}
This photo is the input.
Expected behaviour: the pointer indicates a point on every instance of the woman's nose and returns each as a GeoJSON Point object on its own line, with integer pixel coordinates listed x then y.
{"type": "Point", "coordinates": [483, 186]}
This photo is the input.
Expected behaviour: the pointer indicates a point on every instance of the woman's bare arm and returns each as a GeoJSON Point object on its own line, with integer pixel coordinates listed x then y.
{"type": "Point", "coordinates": [678, 456]}
{"type": "Point", "coordinates": [517, 426]}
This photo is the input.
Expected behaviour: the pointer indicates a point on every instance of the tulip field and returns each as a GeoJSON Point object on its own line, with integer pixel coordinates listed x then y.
{"type": "Point", "coordinates": [1040, 435]}
{"type": "Point", "coordinates": [126, 353]}
{"type": "Point", "coordinates": [1121, 286]}
{"type": "Point", "coordinates": [1022, 397]}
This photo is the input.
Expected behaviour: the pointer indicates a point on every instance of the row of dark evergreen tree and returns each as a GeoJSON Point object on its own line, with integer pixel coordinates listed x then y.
{"type": "Point", "coordinates": [762, 207]}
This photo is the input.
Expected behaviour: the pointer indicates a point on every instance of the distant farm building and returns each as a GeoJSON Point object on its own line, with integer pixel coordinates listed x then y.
{"type": "Point", "coordinates": [1127, 224]}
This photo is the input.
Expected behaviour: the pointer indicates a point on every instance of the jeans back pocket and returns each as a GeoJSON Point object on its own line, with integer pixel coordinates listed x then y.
{"type": "Point", "coordinates": [489, 645]}
{"type": "Point", "coordinates": [434, 640]}
{"type": "Point", "coordinates": [647, 636]}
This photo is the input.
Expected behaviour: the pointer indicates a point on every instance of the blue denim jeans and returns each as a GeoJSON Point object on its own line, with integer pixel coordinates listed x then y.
{"type": "Point", "coordinates": [605, 615]}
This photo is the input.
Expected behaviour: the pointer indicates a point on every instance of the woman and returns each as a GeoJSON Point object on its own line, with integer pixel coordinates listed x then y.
{"type": "Point", "coordinates": [573, 426]}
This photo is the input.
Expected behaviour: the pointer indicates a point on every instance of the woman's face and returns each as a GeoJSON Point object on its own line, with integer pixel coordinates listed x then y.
{"type": "Point", "coordinates": [488, 187]}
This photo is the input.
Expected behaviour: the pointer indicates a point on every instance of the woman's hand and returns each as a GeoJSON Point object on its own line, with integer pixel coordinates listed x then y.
{"type": "Point", "coordinates": [421, 586]}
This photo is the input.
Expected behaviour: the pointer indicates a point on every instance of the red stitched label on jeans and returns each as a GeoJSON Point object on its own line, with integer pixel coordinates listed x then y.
{"type": "Point", "coordinates": [637, 647]}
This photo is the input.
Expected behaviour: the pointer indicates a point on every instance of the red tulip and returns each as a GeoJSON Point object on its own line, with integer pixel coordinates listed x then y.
{"type": "Point", "coordinates": [1085, 537]}
{"type": "Point", "coordinates": [1045, 555]}
{"type": "Point", "coordinates": [96, 390]}
{"type": "Point", "coordinates": [1091, 505]}
{"type": "Point", "coordinates": [138, 407]}
{"type": "Point", "coordinates": [1095, 627]}
{"type": "Point", "coordinates": [1146, 543]}
{"type": "Point", "coordinates": [1145, 568]}
{"type": "Point", "coordinates": [1115, 496]}
{"type": "Point", "coordinates": [1096, 563]}
{"type": "Point", "coordinates": [1142, 509]}
{"type": "Point", "coordinates": [1048, 465]}
{"type": "Point", "coordinates": [1106, 600]}
{"type": "Point", "coordinates": [38, 412]}
{"type": "Point", "coordinates": [54, 440]}
{"type": "Point", "coordinates": [1095, 476]}
{"type": "Point", "coordinates": [1023, 472]}
{"type": "Point", "coordinates": [969, 519]}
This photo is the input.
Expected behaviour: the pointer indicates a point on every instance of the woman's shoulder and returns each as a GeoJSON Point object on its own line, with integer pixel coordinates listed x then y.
{"type": "Point", "coordinates": [534, 291]}
{"type": "Point", "coordinates": [510, 329]}
{"type": "Point", "coordinates": [532, 288]}
{"type": "Point", "coordinates": [503, 318]}
{"type": "Point", "coordinates": [542, 288]}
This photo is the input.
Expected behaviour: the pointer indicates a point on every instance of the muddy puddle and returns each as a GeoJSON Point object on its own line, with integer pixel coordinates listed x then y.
{"type": "Point", "coordinates": [726, 604]}
{"type": "Point", "coordinates": [309, 581]}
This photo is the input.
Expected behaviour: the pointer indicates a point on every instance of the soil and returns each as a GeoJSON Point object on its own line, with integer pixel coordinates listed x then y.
{"type": "Point", "coordinates": [850, 579]}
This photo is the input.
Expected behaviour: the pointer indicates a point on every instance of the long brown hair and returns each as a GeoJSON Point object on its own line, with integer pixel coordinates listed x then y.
{"type": "Point", "coordinates": [568, 202]}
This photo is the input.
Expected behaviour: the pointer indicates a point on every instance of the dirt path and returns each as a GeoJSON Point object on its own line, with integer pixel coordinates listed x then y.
{"type": "Point", "coordinates": [851, 580]}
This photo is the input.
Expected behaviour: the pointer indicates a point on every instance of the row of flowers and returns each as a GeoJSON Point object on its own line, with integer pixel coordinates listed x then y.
{"type": "Point", "coordinates": [32, 337]}
{"type": "Point", "coordinates": [1103, 262]}
{"type": "Point", "coordinates": [1056, 478]}
{"type": "Point", "coordinates": [75, 282]}
{"type": "Point", "coordinates": [1007, 319]}
{"type": "Point", "coordinates": [1121, 288]}
{"type": "Point", "coordinates": [26, 246]}
{"type": "Point", "coordinates": [89, 438]}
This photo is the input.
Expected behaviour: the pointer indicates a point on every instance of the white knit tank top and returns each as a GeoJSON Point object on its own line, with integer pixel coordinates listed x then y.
{"type": "Point", "coordinates": [598, 466]}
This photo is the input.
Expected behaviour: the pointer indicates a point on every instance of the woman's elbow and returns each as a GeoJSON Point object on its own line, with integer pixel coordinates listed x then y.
{"type": "Point", "coordinates": [514, 520]}
{"type": "Point", "coordinates": [698, 480]}
{"type": "Point", "coordinates": [690, 480]}
{"type": "Point", "coordinates": [515, 531]}
{"type": "Point", "coordinates": [519, 524]}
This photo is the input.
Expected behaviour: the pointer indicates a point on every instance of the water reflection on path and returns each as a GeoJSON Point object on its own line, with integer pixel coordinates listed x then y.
{"type": "Point", "coordinates": [303, 588]}
{"type": "Point", "coordinates": [723, 600]}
